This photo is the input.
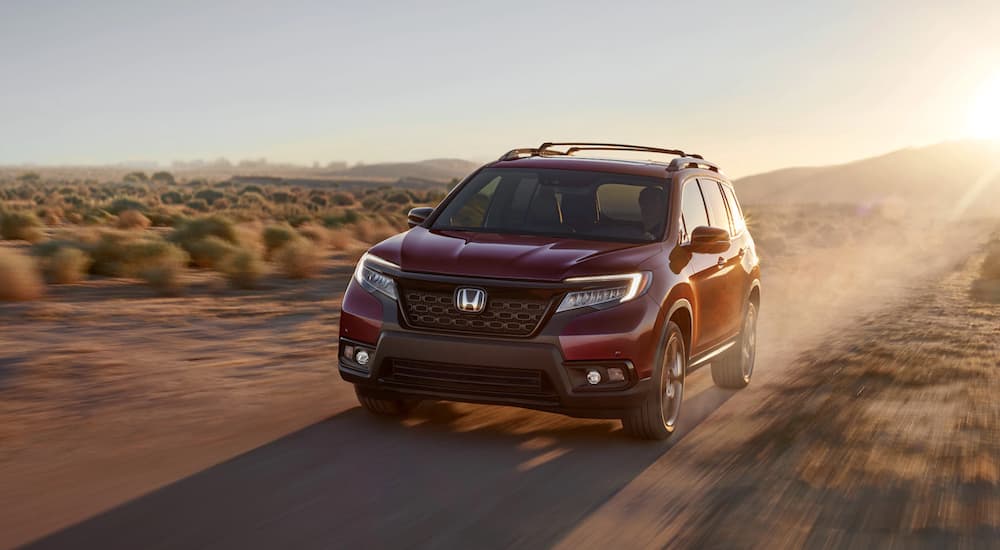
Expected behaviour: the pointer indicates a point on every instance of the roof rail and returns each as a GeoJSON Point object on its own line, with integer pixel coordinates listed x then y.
{"type": "Point", "coordinates": [585, 146]}
{"type": "Point", "coordinates": [686, 160]}
{"type": "Point", "coordinates": [515, 154]}
{"type": "Point", "coordinates": [693, 161]}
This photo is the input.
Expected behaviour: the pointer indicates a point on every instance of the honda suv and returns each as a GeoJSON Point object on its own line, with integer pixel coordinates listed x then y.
{"type": "Point", "coordinates": [556, 280]}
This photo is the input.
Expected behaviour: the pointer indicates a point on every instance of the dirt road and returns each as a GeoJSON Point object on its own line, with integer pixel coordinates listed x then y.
{"type": "Point", "coordinates": [844, 437]}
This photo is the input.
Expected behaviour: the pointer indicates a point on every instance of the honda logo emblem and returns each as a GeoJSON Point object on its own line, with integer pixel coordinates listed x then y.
{"type": "Point", "coordinates": [470, 300]}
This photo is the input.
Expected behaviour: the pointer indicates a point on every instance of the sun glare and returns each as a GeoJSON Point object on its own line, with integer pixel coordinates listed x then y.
{"type": "Point", "coordinates": [984, 111]}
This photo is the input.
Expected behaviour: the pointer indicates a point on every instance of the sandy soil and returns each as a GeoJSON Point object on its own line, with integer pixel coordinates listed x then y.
{"type": "Point", "coordinates": [885, 435]}
{"type": "Point", "coordinates": [109, 393]}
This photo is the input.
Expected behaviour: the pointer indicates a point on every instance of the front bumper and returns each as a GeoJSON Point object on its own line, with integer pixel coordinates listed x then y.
{"type": "Point", "coordinates": [563, 391]}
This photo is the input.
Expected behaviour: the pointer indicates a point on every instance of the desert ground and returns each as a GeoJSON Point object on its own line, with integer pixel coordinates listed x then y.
{"type": "Point", "coordinates": [204, 412]}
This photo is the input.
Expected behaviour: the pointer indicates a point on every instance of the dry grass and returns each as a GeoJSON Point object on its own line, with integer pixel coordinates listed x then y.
{"type": "Point", "coordinates": [248, 234]}
{"type": "Point", "coordinates": [132, 219]}
{"type": "Point", "coordinates": [243, 269]}
{"type": "Point", "coordinates": [987, 287]}
{"type": "Point", "coordinates": [20, 226]}
{"type": "Point", "coordinates": [164, 275]}
{"type": "Point", "coordinates": [210, 252]}
{"type": "Point", "coordinates": [339, 239]}
{"type": "Point", "coordinates": [67, 265]}
{"type": "Point", "coordinates": [368, 231]}
{"type": "Point", "coordinates": [990, 270]}
{"type": "Point", "coordinates": [275, 237]}
{"type": "Point", "coordinates": [19, 278]}
{"type": "Point", "coordinates": [299, 259]}
{"type": "Point", "coordinates": [113, 229]}
{"type": "Point", "coordinates": [316, 233]}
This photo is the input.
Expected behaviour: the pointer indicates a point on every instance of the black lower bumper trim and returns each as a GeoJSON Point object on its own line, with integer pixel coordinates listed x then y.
{"type": "Point", "coordinates": [477, 370]}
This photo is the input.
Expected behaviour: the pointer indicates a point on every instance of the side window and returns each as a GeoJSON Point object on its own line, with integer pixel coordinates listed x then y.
{"type": "Point", "coordinates": [717, 214]}
{"type": "Point", "coordinates": [739, 224]}
{"type": "Point", "coordinates": [693, 212]}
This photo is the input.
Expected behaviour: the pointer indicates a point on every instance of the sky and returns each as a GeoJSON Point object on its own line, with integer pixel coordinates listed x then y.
{"type": "Point", "coordinates": [753, 86]}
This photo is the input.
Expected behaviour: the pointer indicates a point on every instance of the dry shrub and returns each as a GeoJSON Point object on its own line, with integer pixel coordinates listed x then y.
{"type": "Point", "coordinates": [991, 265]}
{"type": "Point", "coordinates": [210, 252]}
{"type": "Point", "coordinates": [81, 237]}
{"type": "Point", "coordinates": [66, 265]}
{"type": "Point", "coordinates": [19, 279]}
{"type": "Point", "coordinates": [196, 229]}
{"type": "Point", "coordinates": [248, 234]}
{"type": "Point", "coordinates": [132, 219]}
{"type": "Point", "coordinates": [318, 234]}
{"type": "Point", "coordinates": [243, 269]}
{"type": "Point", "coordinates": [54, 215]}
{"type": "Point", "coordinates": [164, 275]}
{"type": "Point", "coordinates": [20, 226]}
{"type": "Point", "coordinates": [339, 239]}
{"type": "Point", "coordinates": [276, 236]}
{"type": "Point", "coordinates": [124, 254]}
{"type": "Point", "coordinates": [299, 259]}
{"type": "Point", "coordinates": [370, 232]}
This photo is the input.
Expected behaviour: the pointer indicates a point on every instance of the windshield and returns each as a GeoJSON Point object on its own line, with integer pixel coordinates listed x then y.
{"type": "Point", "coordinates": [559, 203]}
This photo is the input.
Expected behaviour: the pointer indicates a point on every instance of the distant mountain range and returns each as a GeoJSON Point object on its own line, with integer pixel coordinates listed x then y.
{"type": "Point", "coordinates": [433, 169]}
{"type": "Point", "coordinates": [961, 176]}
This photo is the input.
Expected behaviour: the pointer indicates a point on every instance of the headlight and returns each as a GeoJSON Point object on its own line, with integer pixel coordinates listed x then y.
{"type": "Point", "coordinates": [368, 275]}
{"type": "Point", "coordinates": [620, 288]}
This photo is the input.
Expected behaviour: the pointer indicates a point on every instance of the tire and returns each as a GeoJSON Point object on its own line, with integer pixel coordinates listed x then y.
{"type": "Point", "coordinates": [734, 369]}
{"type": "Point", "coordinates": [386, 407]}
{"type": "Point", "coordinates": [657, 417]}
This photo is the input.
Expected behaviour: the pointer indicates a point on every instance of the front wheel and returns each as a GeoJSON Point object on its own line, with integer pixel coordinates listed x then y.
{"type": "Point", "coordinates": [386, 407]}
{"type": "Point", "coordinates": [657, 417]}
{"type": "Point", "coordinates": [734, 369]}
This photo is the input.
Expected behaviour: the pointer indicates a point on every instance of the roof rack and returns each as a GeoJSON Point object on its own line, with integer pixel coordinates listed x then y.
{"type": "Point", "coordinates": [574, 147]}
{"type": "Point", "coordinates": [692, 161]}
{"type": "Point", "coordinates": [686, 160]}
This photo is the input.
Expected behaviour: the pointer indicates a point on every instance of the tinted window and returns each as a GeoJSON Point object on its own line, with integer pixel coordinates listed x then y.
{"type": "Point", "coordinates": [739, 224]}
{"type": "Point", "coordinates": [564, 203]}
{"type": "Point", "coordinates": [692, 208]}
{"type": "Point", "coordinates": [473, 211]}
{"type": "Point", "coordinates": [717, 215]}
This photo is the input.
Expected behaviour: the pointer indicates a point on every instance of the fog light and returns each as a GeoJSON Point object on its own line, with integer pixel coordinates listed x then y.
{"type": "Point", "coordinates": [361, 357]}
{"type": "Point", "coordinates": [349, 352]}
{"type": "Point", "coordinates": [616, 374]}
{"type": "Point", "coordinates": [593, 377]}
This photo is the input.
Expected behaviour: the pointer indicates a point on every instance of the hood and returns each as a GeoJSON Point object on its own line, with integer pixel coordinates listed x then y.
{"type": "Point", "coordinates": [510, 256]}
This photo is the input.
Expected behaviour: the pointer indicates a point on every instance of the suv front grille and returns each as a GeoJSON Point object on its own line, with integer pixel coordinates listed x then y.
{"type": "Point", "coordinates": [468, 380]}
{"type": "Point", "coordinates": [508, 312]}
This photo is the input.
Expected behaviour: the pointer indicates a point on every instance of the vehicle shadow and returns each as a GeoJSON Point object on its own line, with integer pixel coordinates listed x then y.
{"type": "Point", "coordinates": [450, 476]}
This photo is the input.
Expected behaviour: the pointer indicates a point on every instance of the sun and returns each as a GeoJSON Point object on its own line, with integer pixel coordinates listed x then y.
{"type": "Point", "coordinates": [984, 111]}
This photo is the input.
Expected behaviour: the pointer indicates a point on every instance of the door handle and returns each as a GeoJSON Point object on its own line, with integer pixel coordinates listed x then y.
{"type": "Point", "coordinates": [722, 262]}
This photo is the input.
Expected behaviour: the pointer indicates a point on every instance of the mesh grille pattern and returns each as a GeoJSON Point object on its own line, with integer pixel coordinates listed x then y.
{"type": "Point", "coordinates": [508, 312]}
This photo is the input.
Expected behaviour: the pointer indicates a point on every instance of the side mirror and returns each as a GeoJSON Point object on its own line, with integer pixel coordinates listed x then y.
{"type": "Point", "coordinates": [418, 215]}
{"type": "Point", "coordinates": [709, 240]}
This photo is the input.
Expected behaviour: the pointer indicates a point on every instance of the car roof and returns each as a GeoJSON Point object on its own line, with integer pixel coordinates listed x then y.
{"type": "Point", "coordinates": [615, 166]}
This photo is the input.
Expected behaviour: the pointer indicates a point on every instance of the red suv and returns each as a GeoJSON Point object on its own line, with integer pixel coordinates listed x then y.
{"type": "Point", "coordinates": [548, 280]}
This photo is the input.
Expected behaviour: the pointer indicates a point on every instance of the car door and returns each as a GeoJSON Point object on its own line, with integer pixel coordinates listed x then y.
{"type": "Point", "coordinates": [704, 274]}
{"type": "Point", "coordinates": [728, 280]}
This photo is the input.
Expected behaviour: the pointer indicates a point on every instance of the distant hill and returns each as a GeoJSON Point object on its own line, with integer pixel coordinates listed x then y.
{"type": "Point", "coordinates": [434, 170]}
{"type": "Point", "coordinates": [421, 174]}
{"type": "Point", "coordinates": [938, 176]}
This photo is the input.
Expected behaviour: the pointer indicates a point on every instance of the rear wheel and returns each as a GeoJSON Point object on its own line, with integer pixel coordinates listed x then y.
{"type": "Point", "coordinates": [734, 369]}
{"type": "Point", "coordinates": [657, 417]}
{"type": "Point", "coordinates": [386, 407]}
